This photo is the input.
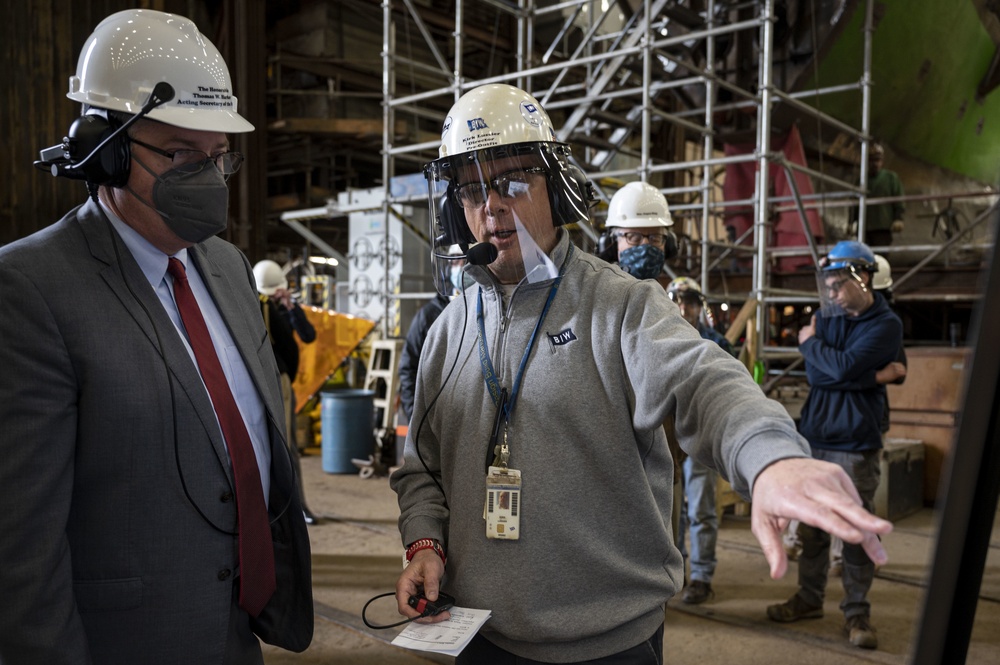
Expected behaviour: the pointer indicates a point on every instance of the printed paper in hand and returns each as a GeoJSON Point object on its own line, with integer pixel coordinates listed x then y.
{"type": "Point", "coordinates": [448, 637]}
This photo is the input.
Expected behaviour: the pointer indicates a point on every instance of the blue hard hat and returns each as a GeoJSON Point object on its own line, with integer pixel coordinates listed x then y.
{"type": "Point", "coordinates": [851, 253]}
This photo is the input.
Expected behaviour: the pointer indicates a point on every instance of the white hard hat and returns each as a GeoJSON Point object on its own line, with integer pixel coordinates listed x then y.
{"type": "Point", "coordinates": [639, 205]}
{"type": "Point", "coordinates": [882, 279]}
{"type": "Point", "coordinates": [131, 51]}
{"type": "Point", "coordinates": [493, 115]}
{"type": "Point", "coordinates": [269, 277]}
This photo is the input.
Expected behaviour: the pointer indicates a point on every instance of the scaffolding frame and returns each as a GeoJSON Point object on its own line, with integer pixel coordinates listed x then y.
{"type": "Point", "coordinates": [605, 60]}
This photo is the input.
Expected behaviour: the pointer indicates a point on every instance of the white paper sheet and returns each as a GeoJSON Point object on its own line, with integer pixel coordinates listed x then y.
{"type": "Point", "coordinates": [447, 637]}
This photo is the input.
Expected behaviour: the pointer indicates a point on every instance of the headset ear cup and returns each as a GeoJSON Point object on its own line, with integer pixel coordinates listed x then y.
{"type": "Point", "coordinates": [603, 241]}
{"type": "Point", "coordinates": [670, 245]}
{"type": "Point", "coordinates": [452, 220]}
{"type": "Point", "coordinates": [571, 195]}
{"type": "Point", "coordinates": [111, 166]}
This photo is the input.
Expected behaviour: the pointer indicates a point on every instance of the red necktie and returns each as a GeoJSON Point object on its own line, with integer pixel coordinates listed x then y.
{"type": "Point", "coordinates": [256, 551]}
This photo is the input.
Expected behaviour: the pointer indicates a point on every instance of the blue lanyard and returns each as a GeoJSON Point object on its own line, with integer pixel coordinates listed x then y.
{"type": "Point", "coordinates": [489, 374]}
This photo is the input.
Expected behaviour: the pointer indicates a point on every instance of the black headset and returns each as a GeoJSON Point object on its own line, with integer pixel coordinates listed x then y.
{"type": "Point", "coordinates": [96, 147]}
{"type": "Point", "coordinates": [570, 197]}
{"type": "Point", "coordinates": [607, 245]}
{"type": "Point", "coordinates": [573, 198]}
{"type": "Point", "coordinates": [110, 165]}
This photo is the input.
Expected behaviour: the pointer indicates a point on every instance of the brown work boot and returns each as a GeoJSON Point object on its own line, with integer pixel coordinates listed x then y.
{"type": "Point", "coordinates": [793, 610]}
{"type": "Point", "coordinates": [697, 592]}
{"type": "Point", "coordinates": [860, 632]}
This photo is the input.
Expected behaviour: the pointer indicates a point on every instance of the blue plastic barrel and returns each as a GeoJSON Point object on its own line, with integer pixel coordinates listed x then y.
{"type": "Point", "coordinates": [348, 423]}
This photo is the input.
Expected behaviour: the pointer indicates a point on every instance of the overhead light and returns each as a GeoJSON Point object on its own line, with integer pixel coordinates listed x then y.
{"type": "Point", "coordinates": [323, 260]}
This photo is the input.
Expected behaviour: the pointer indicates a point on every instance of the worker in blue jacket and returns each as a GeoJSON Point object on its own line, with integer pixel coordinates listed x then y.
{"type": "Point", "coordinates": [854, 335]}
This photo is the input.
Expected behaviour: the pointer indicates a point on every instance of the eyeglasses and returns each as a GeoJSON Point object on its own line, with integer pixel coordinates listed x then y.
{"type": "Point", "coordinates": [838, 285]}
{"type": "Point", "coordinates": [635, 238]}
{"type": "Point", "coordinates": [195, 160]}
{"type": "Point", "coordinates": [513, 184]}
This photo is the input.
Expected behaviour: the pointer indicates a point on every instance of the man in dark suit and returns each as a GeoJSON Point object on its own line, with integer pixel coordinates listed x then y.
{"type": "Point", "coordinates": [150, 514]}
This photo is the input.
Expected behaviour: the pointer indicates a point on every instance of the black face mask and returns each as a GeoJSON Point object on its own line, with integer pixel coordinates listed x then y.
{"type": "Point", "coordinates": [192, 200]}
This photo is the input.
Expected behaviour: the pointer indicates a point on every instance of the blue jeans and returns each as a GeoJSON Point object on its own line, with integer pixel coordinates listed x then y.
{"type": "Point", "coordinates": [858, 570]}
{"type": "Point", "coordinates": [702, 518]}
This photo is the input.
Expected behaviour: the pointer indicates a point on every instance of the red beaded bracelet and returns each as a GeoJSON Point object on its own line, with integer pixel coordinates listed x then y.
{"type": "Point", "coordinates": [425, 544]}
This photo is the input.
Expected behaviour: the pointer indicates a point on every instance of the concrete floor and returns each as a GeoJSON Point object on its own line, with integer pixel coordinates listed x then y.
{"type": "Point", "coordinates": [356, 555]}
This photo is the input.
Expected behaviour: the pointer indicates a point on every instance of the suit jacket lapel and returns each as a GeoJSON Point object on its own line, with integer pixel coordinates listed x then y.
{"type": "Point", "coordinates": [228, 295]}
{"type": "Point", "coordinates": [136, 295]}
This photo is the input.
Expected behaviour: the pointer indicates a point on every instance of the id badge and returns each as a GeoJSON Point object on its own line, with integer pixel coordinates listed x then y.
{"type": "Point", "coordinates": [503, 503]}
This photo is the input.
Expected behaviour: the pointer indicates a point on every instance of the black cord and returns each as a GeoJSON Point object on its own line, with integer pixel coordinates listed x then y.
{"type": "Point", "coordinates": [423, 419]}
{"type": "Point", "coordinates": [173, 400]}
{"type": "Point", "coordinates": [391, 625]}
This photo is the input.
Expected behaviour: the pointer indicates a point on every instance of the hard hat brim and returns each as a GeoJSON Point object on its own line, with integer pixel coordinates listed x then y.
{"type": "Point", "coordinates": [215, 120]}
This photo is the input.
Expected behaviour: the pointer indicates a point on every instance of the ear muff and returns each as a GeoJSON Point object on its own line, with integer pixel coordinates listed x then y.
{"type": "Point", "coordinates": [607, 246]}
{"type": "Point", "coordinates": [111, 165]}
{"type": "Point", "coordinates": [570, 194]}
{"type": "Point", "coordinates": [451, 218]}
{"type": "Point", "coordinates": [670, 249]}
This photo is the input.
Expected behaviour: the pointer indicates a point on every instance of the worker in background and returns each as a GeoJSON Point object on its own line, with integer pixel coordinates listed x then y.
{"type": "Point", "coordinates": [700, 482]}
{"type": "Point", "coordinates": [150, 513]}
{"type": "Point", "coordinates": [284, 318]}
{"type": "Point", "coordinates": [552, 379]}
{"type": "Point", "coordinates": [882, 220]}
{"type": "Point", "coordinates": [638, 237]}
{"type": "Point", "coordinates": [422, 322]}
{"type": "Point", "coordinates": [853, 335]}
{"type": "Point", "coordinates": [638, 234]}
{"type": "Point", "coordinates": [894, 372]}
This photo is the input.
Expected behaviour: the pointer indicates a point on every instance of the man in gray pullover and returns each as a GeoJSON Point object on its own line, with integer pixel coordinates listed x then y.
{"type": "Point", "coordinates": [537, 480]}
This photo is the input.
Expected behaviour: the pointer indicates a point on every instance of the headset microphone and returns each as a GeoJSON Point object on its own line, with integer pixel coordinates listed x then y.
{"type": "Point", "coordinates": [59, 159]}
{"type": "Point", "coordinates": [482, 254]}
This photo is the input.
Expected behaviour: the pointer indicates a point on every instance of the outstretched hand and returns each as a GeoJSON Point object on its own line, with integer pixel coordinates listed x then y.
{"type": "Point", "coordinates": [815, 492]}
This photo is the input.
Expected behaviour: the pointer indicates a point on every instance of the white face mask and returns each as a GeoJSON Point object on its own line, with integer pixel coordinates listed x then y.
{"type": "Point", "coordinates": [459, 279]}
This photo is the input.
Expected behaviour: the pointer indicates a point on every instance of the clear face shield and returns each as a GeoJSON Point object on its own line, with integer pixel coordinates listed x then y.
{"type": "Point", "coordinates": [500, 207]}
{"type": "Point", "coordinates": [843, 291]}
{"type": "Point", "coordinates": [450, 276]}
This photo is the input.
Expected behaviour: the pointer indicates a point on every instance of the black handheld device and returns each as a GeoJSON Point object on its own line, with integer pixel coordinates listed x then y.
{"type": "Point", "coordinates": [429, 608]}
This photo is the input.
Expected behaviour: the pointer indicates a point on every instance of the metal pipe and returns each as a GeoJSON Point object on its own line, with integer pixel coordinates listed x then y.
{"type": "Point", "coordinates": [647, 75]}
{"type": "Point", "coordinates": [708, 145]}
{"type": "Point", "coordinates": [567, 24]}
{"type": "Point", "coordinates": [866, 95]}
{"type": "Point", "coordinates": [763, 182]}
{"type": "Point", "coordinates": [816, 113]}
{"type": "Point", "coordinates": [803, 216]}
{"type": "Point", "coordinates": [983, 216]}
{"type": "Point", "coordinates": [325, 247]}
{"type": "Point", "coordinates": [818, 174]}
{"type": "Point", "coordinates": [388, 119]}
{"type": "Point", "coordinates": [551, 9]}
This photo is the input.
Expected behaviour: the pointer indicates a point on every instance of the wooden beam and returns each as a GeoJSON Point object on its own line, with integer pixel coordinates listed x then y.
{"type": "Point", "coordinates": [745, 314]}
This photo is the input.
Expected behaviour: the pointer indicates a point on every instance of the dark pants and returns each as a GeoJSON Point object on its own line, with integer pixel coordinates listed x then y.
{"type": "Point", "coordinates": [814, 561]}
{"type": "Point", "coordinates": [483, 652]}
